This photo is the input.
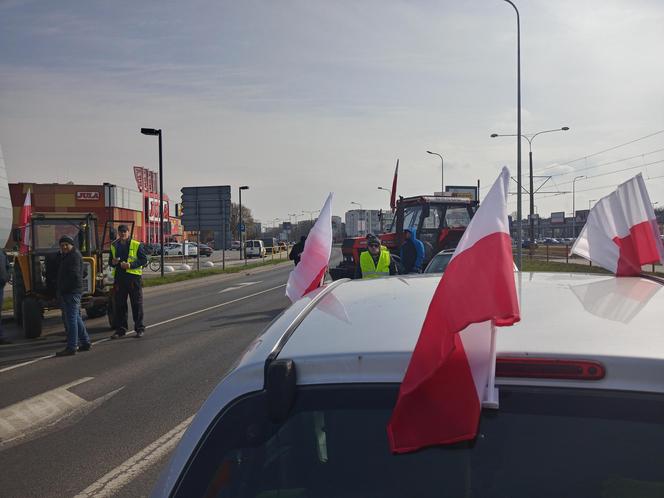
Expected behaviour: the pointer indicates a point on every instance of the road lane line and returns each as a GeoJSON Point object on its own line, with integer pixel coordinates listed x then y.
{"type": "Point", "coordinates": [27, 418]}
{"type": "Point", "coordinates": [26, 363]}
{"type": "Point", "coordinates": [123, 474]}
{"type": "Point", "coordinates": [238, 286]}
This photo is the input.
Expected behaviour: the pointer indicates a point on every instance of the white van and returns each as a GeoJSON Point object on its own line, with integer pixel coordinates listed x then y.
{"type": "Point", "coordinates": [254, 249]}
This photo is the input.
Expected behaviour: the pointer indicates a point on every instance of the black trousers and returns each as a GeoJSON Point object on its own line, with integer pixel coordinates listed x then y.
{"type": "Point", "coordinates": [132, 287]}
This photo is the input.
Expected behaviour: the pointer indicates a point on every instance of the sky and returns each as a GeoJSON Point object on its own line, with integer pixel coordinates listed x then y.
{"type": "Point", "coordinates": [298, 98]}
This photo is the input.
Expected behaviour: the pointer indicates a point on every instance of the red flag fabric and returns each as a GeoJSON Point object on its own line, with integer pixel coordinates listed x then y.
{"type": "Point", "coordinates": [308, 274]}
{"type": "Point", "coordinates": [393, 194]}
{"type": "Point", "coordinates": [26, 214]}
{"type": "Point", "coordinates": [442, 391]}
{"type": "Point", "coordinates": [621, 233]}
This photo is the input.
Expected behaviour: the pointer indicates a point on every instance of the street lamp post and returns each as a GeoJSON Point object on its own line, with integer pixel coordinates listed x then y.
{"type": "Point", "coordinates": [530, 139]}
{"type": "Point", "coordinates": [442, 170]}
{"type": "Point", "coordinates": [519, 236]}
{"type": "Point", "coordinates": [574, 204]}
{"type": "Point", "coordinates": [243, 252]}
{"type": "Point", "coordinates": [155, 132]}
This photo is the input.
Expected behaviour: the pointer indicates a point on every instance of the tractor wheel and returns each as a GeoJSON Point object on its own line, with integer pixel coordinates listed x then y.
{"type": "Point", "coordinates": [110, 312]}
{"type": "Point", "coordinates": [18, 293]}
{"type": "Point", "coordinates": [32, 317]}
{"type": "Point", "coordinates": [96, 311]}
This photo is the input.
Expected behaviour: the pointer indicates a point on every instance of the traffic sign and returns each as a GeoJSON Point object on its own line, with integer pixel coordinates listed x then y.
{"type": "Point", "coordinates": [241, 227]}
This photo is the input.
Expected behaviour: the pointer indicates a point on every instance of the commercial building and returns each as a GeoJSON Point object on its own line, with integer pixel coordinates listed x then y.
{"type": "Point", "coordinates": [109, 202]}
{"type": "Point", "coordinates": [360, 222]}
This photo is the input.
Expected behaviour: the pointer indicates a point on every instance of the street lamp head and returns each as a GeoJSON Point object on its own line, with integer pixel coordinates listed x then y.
{"type": "Point", "coordinates": [429, 152]}
{"type": "Point", "coordinates": [244, 187]}
{"type": "Point", "coordinates": [565, 128]}
{"type": "Point", "coordinates": [150, 131]}
{"type": "Point", "coordinates": [494, 135]}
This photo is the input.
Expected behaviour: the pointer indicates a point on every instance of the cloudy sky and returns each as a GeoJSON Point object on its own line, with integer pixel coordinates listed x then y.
{"type": "Point", "coordinates": [296, 98]}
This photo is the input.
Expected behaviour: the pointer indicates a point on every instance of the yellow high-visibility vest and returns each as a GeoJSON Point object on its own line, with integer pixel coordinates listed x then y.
{"type": "Point", "coordinates": [133, 256]}
{"type": "Point", "coordinates": [370, 270]}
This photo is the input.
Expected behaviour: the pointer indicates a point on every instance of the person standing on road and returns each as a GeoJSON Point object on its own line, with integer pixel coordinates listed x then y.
{"type": "Point", "coordinates": [4, 278]}
{"type": "Point", "coordinates": [128, 258]}
{"type": "Point", "coordinates": [296, 251]}
{"type": "Point", "coordinates": [412, 252]}
{"type": "Point", "coordinates": [69, 290]}
{"type": "Point", "coordinates": [376, 261]}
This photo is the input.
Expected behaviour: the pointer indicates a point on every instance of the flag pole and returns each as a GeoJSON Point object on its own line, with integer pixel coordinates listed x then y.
{"type": "Point", "coordinates": [491, 393]}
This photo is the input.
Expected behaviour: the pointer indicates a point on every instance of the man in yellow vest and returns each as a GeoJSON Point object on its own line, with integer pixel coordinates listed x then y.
{"type": "Point", "coordinates": [128, 257]}
{"type": "Point", "coordinates": [376, 261]}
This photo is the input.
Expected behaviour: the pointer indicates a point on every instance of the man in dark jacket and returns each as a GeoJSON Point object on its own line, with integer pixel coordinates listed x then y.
{"type": "Point", "coordinates": [4, 278]}
{"type": "Point", "coordinates": [412, 252]}
{"type": "Point", "coordinates": [128, 257]}
{"type": "Point", "coordinates": [70, 287]}
{"type": "Point", "coordinates": [297, 250]}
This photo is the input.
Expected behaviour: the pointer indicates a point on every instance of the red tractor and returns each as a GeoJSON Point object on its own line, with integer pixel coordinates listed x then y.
{"type": "Point", "coordinates": [440, 221]}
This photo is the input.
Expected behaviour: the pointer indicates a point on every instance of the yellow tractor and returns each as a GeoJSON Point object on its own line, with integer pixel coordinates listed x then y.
{"type": "Point", "coordinates": [35, 273]}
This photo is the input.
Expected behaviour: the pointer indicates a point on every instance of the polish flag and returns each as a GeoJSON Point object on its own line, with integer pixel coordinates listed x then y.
{"type": "Point", "coordinates": [441, 395]}
{"type": "Point", "coordinates": [309, 273]}
{"type": "Point", "coordinates": [393, 194]}
{"type": "Point", "coordinates": [621, 232]}
{"type": "Point", "coordinates": [26, 213]}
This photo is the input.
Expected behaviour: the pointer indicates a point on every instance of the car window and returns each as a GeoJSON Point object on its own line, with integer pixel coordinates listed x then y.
{"type": "Point", "coordinates": [541, 442]}
{"type": "Point", "coordinates": [439, 263]}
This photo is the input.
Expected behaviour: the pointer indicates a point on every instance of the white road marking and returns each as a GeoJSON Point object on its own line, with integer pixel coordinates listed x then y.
{"type": "Point", "coordinates": [120, 476]}
{"type": "Point", "coordinates": [34, 415]}
{"type": "Point", "coordinates": [18, 365]}
{"type": "Point", "coordinates": [238, 286]}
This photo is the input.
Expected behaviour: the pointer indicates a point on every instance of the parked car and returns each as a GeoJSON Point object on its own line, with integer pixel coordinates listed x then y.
{"type": "Point", "coordinates": [236, 245]}
{"type": "Point", "coordinates": [304, 412]}
{"type": "Point", "coordinates": [204, 249]}
{"type": "Point", "coordinates": [178, 249]}
{"type": "Point", "coordinates": [254, 249]}
{"type": "Point", "coordinates": [439, 262]}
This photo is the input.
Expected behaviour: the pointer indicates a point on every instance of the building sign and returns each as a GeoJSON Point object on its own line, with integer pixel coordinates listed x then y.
{"type": "Point", "coordinates": [152, 209]}
{"type": "Point", "coordinates": [558, 217]}
{"type": "Point", "coordinates": [463, 191]}
{"type": "Point", "coordinates": [88, 196]}
{"type": "Point", "coordinates": [146, 180]}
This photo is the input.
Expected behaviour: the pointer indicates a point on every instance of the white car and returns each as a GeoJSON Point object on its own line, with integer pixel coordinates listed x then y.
{"type": "Point", "coordinates": [304, 412]}
{"type": "Point", "coordinates": [254, 249]}
{"type": "Point", "coordinates": [179, 249]}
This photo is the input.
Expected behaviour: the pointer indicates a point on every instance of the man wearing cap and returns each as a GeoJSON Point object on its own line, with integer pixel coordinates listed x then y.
{"type": "Point", "coordinates": [376, 261]}
{"type": "Point", "coordinates": [128, 257]}
{"type": "Point", "coordinates": [69, 289]}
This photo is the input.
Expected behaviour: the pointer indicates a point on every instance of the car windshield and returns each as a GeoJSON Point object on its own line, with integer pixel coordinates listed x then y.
{"type": "Point", "coordinates": [334, 444]}
{"type": "Point", "coordinates": [439, 263]}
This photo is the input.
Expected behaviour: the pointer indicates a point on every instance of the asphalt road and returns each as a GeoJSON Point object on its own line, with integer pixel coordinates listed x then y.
{"type": "Point", "coordinates": [65, 423]}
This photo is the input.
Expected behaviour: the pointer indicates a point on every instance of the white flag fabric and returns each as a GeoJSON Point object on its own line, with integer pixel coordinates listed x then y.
{"type": "Point", "coordinates": [310, 271]}
{"type": "Point", "coordinates": [621, 232]}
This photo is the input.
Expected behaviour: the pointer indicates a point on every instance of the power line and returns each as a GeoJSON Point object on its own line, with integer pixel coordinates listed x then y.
{"type": "Point", "coordinates": [617, 171]}
{"type": "Point", "coordinates": [609, 162]}
{"type": "Point", "coordinates": [603, 151]}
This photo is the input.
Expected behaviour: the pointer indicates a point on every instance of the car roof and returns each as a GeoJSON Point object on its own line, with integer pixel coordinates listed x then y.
{"type": "Point", "coordinates": [366, 330]}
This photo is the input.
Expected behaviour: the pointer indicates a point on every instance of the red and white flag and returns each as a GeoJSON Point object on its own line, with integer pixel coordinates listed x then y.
{"type": "Point", "coordinates": [393, 194]}
{"type": "Point", "coordinates": [310, 271]}
{"type": "Point", "coordinates": [26, 214]}
{"type": "Point", "coordinates": [621, 232]}
{"type": "Point", "coordinates": [441, 395]}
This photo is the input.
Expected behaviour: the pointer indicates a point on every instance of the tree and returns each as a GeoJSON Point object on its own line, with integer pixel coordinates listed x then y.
{"type": "Point", "coordinates": [247, 220]}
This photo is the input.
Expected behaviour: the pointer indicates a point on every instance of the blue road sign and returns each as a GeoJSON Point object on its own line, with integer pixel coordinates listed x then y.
{"type": "Point", "coordinates": [241, 227]}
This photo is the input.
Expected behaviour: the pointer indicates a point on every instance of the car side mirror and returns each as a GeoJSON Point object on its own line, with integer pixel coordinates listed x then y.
{"type": "Point", "coordinates": [16, 234]}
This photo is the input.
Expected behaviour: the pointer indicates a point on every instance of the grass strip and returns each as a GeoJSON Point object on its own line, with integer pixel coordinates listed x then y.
{"type": "Point", "coordinates": [190, 275]}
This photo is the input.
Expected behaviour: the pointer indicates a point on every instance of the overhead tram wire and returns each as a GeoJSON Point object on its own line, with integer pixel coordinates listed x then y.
{"type": "Point", "coordinates": [637, 156]}
{"type": "Point", "coordinates": [601, 151]}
